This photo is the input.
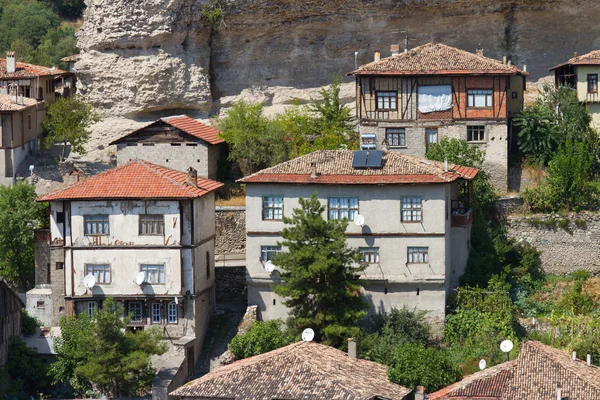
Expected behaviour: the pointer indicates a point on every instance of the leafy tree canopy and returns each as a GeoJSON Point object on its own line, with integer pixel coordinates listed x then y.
{"type": "Point", "coordinates": [319, 274]}
{"type": "Point", "coordinates": [19, 216]}
{"type": "Point", "coordinates": [24, 375]}
{"type": "Point", "coordinates": [262, 337]}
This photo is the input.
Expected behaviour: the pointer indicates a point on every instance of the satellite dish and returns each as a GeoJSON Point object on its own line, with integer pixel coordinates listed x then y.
{"type": "Point", "coordinates": [269, 266]}
{"type": "Point", "coordinates": [89, 281]}
{"type": "Point", "coordinates": [176, 300]}
{"type": "Point", "coordinates": [506, 346]}
{"type": "Point", "coordinates": [482, 364]}
{"type": "Point", "coordinates": [140, 278]}
{"type": "Point", "coordinates": [359, 220]}
{"type": "Point", "coordinates": [308, 335]}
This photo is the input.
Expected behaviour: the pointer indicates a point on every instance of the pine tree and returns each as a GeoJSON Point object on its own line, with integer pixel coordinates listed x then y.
{"type": "Point", "coordinates": [320, 275]}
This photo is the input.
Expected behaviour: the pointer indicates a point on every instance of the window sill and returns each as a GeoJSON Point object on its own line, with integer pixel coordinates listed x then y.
{"type": "Point", "coordinates": [385, 109]}
{"type": "Point", "coordinates": [397, 147]}
{"type": "Point", "coordinates": [479, 108]}
{"type": "Point", "coordinates": [152, 234]}
{"type": "Point", "coordinates": [477, 142]}
{"type": "Point", "coordinates": [412, 222]}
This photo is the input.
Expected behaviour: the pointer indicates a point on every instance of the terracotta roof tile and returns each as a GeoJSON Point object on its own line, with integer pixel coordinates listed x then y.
{"type": "Point", "coordinates": [335, 167]}
{"type": "Point", "coordinates": [136, 179]}
{"type": "Point", "coordinates": [25, 71]}
{"type": "Point", "coordinates": [436, 59]}
{"type": "Point", "coordinates": [591, 58]}
{"type": "Point", "coordinates": [73, 58]}
{"type": "Point", "coordinates": [303, 370]}
{"type": "Point", "coordinates": [8, 103]}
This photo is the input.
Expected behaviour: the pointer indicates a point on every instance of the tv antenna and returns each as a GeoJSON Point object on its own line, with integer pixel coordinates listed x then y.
{"type": "Point", "coordinates": [308, 335]}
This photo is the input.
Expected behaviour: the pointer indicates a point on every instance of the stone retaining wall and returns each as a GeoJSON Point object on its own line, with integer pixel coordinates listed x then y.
{"type": "Point", "coordinates": [230, 229]}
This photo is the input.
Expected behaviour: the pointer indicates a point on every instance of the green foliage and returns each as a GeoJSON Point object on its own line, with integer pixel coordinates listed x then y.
{"type": "Point", "coordinates": [575, 301]}
{"type": "Point", "coordinates": [29, 324]}
{"type": "Point", "coordinates": [456, 151]}
{"type": "Point", "coordinates": [319, 275]}
{"type": "Point", "coordinates": [261, 338]}
{"type": "Point", "coordinates": [56, 44]}
{"type": "Point", "coordinates": [19, 216]}
{"type": "Point", "coordinates": [98, 351]}
{"type": "Point", "coordinates": [24, 375]}
{"type": "Point", "coordinates": [538, 136]}
{"type": "Point", "coordinates": [415, 364]}
{"type": "Point", "coordinates": [68, 121]}
{"type": "Point", "coordinates": [28, 20]}
{"type": "Point", "coordinates": [212, 13]}
{"type": "Point", "coordinates": [69, 9]}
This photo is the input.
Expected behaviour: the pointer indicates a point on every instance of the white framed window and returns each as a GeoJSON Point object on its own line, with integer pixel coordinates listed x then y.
{"type": "Point", "coordinates": [418, 255]}
{"type": "Point", "coordinates": [267, 252]}
{"type": "Point", "coordinates": [172, 313]}
{"type": "Point", "coordinates": [92, 306]}
{"type": "Point", "coordinates": [475, 133]}
{"type": "Point", "coordinates": [152, 224]}
{"type": "Point", "coordinates": [156, 308]}
{"type": "Point", "coordinates": [342, 207]}
{"type": "Point", "coordinates": [134, 309]}
{"type": "Point", "coordinates": [395, 137]}
{"type": "Point", "coordinates": [369, 255]}
{"type": "Point", "coordinates": [412, 209]}
{"type": "Point", "coordinates": [272, 207]}
{"type": "Point", "coordinates": [480, 98]}
{"type": "Point", "coordinates": [155, 273]}
{"type": "Point", "coordinates": [96, 225]}
{"type": "Point", "coordinates": [431, 137]}
{"type": "Point", "coordinates": [100, 271]}
{"type": "Point", "coordinates": [387, 100]}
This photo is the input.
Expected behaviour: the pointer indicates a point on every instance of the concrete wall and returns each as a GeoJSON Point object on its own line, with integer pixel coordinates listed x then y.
{"type": "Point", "coordinates": [592, 99]}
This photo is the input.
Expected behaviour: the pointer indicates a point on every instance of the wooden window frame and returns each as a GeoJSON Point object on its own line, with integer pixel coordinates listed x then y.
{"type": "Point", "coordinates": [437, 136]}
{"type": "Point", "coordinates": [381, 92]}
{"type": "Point", "coordinates": [170, 307]}
{"type": "Point", "coordinates": [141, 310]}
{"type": "Point", "coordinates": [268, 250]}
{"type": "Point", "coordinates": [472, 127]}
{"type": "Point", "coordinates": [594, 90]}
{"type": "Point", "coordinates": [160, 272]}
{"type": "Point", "coordinates": [146, 219]}
{"type": "Point", "coordinates": [273, 208]}
{"type": "Point", "coordinates": [352, 211]}
{"type": "Point", "coordinates": [93, 268]}
{"type": "Point", "coordinates": [90, 310]}
{"type": "Point", "coordinates": [401, 132]}
{"type": "Point", "coordinates": [412, 250]}
{"type": "Point", "coordinates": [367, 252]}
{"type": "Point", "coordinates": [406, 205]}
{"type": "Point", "coordinates": [97, 223]}
{"type": "Point", "coordinates": [472, 95]}
{"type": "Point", "coordinates": [152, 321]}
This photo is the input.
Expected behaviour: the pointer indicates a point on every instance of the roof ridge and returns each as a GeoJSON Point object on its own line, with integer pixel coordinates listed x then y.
{"type": "Point", "coordinates": [151, 166]}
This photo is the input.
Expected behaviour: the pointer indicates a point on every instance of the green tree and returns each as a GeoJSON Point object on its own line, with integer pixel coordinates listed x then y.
{"type": "Point", "coordinates": [99, 351]}
{"type": "Point", "coordinates": [28, 20]}
{"type": "Point", "coordinates": [262, 337]}
{"type": "Point", "coordinates": [19, 216]}
{"type": "Point", "coordinates": [24, 370]}
{"type": "Point", "coordinates": [56, 44]}
{"type": "Point", "coordinates": [538, 133]}
{"type": "Point", "coordinates": [29, 324]}
{"type": "Point", "coordinates": [69, 9]}
{"type": "Point", "coordinates": [415, 364]}
{"type": "Point", "coordinates": [319, 275]}
{"type": "Point", "coordinates": [68, 121]}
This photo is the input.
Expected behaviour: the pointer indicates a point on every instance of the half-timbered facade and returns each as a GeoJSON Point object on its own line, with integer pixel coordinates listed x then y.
{"type": "Point", "coordinates": [411, 100]}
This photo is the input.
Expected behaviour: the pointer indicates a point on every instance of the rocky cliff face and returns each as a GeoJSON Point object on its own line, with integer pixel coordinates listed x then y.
{"type": "Point", "coordinates": [143, 58]}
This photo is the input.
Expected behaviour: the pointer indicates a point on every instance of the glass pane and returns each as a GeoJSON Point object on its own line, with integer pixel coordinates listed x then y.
{"type": "Point", "coordinates": [479, 101]}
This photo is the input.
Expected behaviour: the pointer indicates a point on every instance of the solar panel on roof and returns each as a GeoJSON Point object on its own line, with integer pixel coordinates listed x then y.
{"type": "Point", "coordinates": [374, 159]}
{"type": "Point", "coordinates": [360, 159]}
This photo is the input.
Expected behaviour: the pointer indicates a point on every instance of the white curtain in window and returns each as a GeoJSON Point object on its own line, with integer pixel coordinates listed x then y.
{"type": "Point", "coordinates": [435, 98]}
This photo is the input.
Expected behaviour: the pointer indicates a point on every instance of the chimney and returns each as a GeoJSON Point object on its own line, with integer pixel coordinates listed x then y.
{"type": "Point", "coordinates": [574, 355]}
{"type": "Point", "coordinates": [524, 67]}
{"type": "Point", "coordinates": [11, 62]}
{"type": "Point", "coordinates": [446, 165]}
{"type": "Point", "coordinates": [504, 60]}
{"type": "Point", "coordinates": [479, 51]}
{"type": "Point", "coordinates": [395, 49]}
{"type": "Point", "coordinates": [589, 359]}
{"type": "Point", "coordinates": [377, 56]}
{"type": "Point", "coordinates": [352, 348]}
{"type": "Point", "coordinates": [191, 178]}
{"type": "Point", "coordinates": [575, 54]}
{"type": "Point", "coordinates": [558, 392]}
{"type": "Point", "coordinates": [313, 170]}
{"type": "Point", "coordinates": [420, 393]}
{"type": "Point", "coordinates": [509, 63]}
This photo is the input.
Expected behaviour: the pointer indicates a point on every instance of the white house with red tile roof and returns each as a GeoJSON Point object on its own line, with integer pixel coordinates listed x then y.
{"type": "Point", "coordinates": [176, 142]}
{"type": "Point", "coordinates": [415, 236]}
{"type": "Point", "coordinates": [145, 233]}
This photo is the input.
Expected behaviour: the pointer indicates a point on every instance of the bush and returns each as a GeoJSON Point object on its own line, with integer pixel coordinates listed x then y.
{"type": "Point", "coordinates": [29, 324]}
{"type": "Point", "coordinates": [262, 337]}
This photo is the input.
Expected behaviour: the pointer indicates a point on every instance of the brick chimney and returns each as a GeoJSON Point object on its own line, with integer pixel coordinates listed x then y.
{"type": "Point", "coordinates": [191, 177]}
{"type": "Point", "coordinates": [377, 56]}
{"type": "Point", "coordinates": [11, 62]}
{"type": "Point", "coordinates": [420, 393]}
{"type": "Point", "coordinates": [395, 49]}
{"type": "Point", "coordinates": [479, 51]}
{"type": "Point", "coordinates": [352, 353]}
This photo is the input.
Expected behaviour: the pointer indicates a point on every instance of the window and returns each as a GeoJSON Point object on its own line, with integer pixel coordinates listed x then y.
{"type": "Point", "coordinates": [29, 120]}
{"type": "Point", "coordinates": [343, 207]}
{"type": "Point", "coordinates": [475, 133]}
{"type": "Point", "coordinates": [207, 264]}
{"type": "Point", "coordinates": [155, 273]}
{"type": "Point", "coordinates": [433, 98]}
{"type": "Point", "coordinates": [91, 307]}
{"type": "Point", "coordinates": [60, 217]}
{"type": "Point", "coordinates": [369, 255]}
{"type": "Point", "coordinates": [172, 313]}
{"type": "Point", "coordinates": [395, 136]}
{"type": "Point", "coordinates": [60, 265]}
{"type": "Point", "coordinates": [267, 252]}
{"type": "Point", "coordinates": [135, 311]}
{"type": "Point", "coordinates": [592, 81]}
{"type": "Point", "coordinates": [431, 136]}
{"type": "Point", "coordinates": [152, 224]}
{"type": "Point", "coordinates": [418, 255]}
{"type": "Point", "coordinates": [479, 98]}
{"type": "Point", "coordinates": [100, 271]}
{"type": "Point", "coordinates": [412, 209]}
{"type": "Point", "coordinates": [273, 208]}
{"type": "Point", "coordinates": [386, 100]}
{"type": "Point", "coordinates": [96, 224]}
{"type": "Point", "coordinates": [156, 313]}
{"type": "Point", "coordinates": [41, 304]}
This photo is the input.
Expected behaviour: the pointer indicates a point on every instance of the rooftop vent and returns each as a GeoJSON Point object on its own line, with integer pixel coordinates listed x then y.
{"type": "Point", "coordinates": [367, 159]}
{"type": "Point", "coordinates": [11, 62]}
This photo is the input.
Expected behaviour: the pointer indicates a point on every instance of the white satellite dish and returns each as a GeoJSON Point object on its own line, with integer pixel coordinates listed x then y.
{"type": "Point", "coordinates": [308, 335]}
{"type": "Point", "coordinates": [482, 364]}
{"type": "Point", "coordinates": [359, 220]}
{"type": "Point", "coordinates": [140, 278]}
{"type": "Point", "coordinates": [176, 300]}
{"type": "Point", "coordinates": [269, 266]}
{"type": "Point", "coordinates": [506, 346]}
{"type": "Point", "coordinates": [89, 281]}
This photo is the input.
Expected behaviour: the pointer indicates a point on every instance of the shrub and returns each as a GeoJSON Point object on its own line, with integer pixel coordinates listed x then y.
{"type": "Point", "coordinates": [29, 324]}
{"type": "Point", "coordinates": [262, 337]}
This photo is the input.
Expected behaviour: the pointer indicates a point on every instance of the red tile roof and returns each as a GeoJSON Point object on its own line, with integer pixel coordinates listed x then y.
{"type": "Point", "coordinates": [136, 179]}
{"type": "Point", "coordinates": [303, 370]}
{"type": "Point", "coordinates": [334, 167]}
{"type": "Point", "coordinates": [28, 71]}
{"type": "Point", "coordinates": [187, 125]}
{"type": "Point", "coordinates": [8, 103]}
{"type": "Point", "coordinates": [591, 58]}
{"type": "Point", "coordinates": [437, 59]}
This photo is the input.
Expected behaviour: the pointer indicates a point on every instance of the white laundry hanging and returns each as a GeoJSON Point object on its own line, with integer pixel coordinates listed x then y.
{"type": "Point", "coordinates": [435, 98]}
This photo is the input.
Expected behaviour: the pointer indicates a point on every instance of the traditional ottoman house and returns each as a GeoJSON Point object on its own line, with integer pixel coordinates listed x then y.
{"type": "Point", "coordinates": [175, 142]}
{"type": "Point", "coordinates": [416, 231]}
{"type": "Point", "coordinates": [581, 73]}
{"type": "Point", "coordinates": [144, 235]}
{"type": "Point", "coordinates": [411, 100]}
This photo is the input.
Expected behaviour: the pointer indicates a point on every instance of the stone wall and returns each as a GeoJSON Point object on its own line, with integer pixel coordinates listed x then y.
{"type": "Point", "coordinates": [230, 253]}
{"type": "Point", "coordinates": [231, 230]}
{"type": "Point", "coordinates": [567, 243]}
{"type": "Point", "coordinates": [231, 285]}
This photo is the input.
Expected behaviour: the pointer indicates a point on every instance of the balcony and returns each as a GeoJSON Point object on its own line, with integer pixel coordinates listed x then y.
{"type": "Point", "coordinates": [592, 97]}
{"type": "Point", "coordinates": [462, 216]}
